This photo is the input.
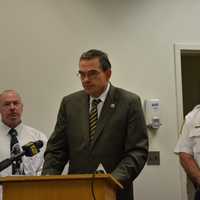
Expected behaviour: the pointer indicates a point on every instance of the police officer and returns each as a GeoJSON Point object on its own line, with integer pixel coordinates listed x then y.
{"type": "Point", "coordinates": [188, 148]}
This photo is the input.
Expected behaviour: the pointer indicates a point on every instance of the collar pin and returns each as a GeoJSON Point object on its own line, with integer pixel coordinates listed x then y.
{"type": "Point", "coordinates": [112, 105]}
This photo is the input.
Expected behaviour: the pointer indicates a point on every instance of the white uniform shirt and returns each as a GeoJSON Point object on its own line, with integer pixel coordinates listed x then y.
{"type": "Point", "coordinates": [189, 142]}
{"type": "Point", "coordinates": [31, 165]}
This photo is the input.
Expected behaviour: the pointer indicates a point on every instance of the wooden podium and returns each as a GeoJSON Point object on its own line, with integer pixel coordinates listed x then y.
{"type": "Point", "coordinates": [70, 187]}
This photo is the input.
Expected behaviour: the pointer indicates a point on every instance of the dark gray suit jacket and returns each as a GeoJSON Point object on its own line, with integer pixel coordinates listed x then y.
{"type": "Point", "coordinates": [121, 142]}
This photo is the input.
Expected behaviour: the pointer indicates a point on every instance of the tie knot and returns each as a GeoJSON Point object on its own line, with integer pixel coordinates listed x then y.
{"type": "Point", "coordinates": [12, 132]}
{"type": "Point", "coordinates": [95, 102]}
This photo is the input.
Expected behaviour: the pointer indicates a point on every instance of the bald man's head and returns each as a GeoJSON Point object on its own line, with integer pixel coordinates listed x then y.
{"type": "Point", "coordinates": [11, 108]}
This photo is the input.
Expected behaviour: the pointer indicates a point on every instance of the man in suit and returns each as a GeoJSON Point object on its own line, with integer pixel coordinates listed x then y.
{"type": "Point", "coordinates": [118, 140]}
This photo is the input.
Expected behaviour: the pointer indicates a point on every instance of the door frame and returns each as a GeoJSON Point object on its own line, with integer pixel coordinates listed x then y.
{"type": "Point", "coordinates": [178, 47]}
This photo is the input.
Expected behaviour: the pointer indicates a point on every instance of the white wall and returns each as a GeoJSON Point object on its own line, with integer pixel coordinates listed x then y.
{"type": "Point", "coordinates": [41, 41]}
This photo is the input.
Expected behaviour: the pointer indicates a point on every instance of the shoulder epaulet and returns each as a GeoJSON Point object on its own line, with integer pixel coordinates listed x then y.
{"type": "Point", "coordinates": [197, 107]}
{"type": "Point", "coordinates": [192, 114]}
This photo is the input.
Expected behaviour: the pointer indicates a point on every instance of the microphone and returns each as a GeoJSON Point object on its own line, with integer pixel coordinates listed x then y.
{"type": "Point", "coordinates": [16, 163]}
{"type": "Point", "coordinates": [15, 149]}
{"type": "Point", "coordinates": [32, 148]}
{"type": "Point", "coordinates": [29, 150]}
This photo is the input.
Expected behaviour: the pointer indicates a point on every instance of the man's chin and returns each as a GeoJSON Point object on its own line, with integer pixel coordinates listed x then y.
{"type": "Point", "coordinates": [14, 122]}
{"type": "Point", "coordinates": [88, 91]}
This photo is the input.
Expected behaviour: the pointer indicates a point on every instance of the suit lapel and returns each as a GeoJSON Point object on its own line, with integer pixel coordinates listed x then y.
{"type": "Point", "coordinates": [106, 113]}
{"type": "Point", "coordinates": [83, 115]}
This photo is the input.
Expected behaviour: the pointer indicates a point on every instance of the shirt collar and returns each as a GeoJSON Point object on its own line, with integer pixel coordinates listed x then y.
{"type": "Point", "coordinates": [103, 95]}
{"type": "Point", "coordinates": [6, 128]}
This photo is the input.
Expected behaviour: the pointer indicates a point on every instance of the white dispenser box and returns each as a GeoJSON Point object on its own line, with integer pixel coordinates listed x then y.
{"type": "Point", "coordinates": [152, 113]}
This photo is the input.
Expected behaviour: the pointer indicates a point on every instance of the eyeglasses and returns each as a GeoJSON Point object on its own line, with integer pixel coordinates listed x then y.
{"type": "Point", "coordinates": [91, 74]}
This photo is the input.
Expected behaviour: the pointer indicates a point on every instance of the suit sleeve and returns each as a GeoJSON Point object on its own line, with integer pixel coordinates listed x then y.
{"type": "Point", "coordinates": [136, 144]}
{"type": "Point", "coordinates": [56, 154]}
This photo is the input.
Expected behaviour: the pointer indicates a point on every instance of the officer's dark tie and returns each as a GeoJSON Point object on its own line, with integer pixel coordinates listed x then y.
{"type": "Point", "coordinates": [93, 117]}
{"type": "Point", "coordinates": [14, 150]}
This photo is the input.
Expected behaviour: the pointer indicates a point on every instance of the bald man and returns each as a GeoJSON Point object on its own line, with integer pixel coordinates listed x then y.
{"type": "Point", "coordinates": [11, 109]}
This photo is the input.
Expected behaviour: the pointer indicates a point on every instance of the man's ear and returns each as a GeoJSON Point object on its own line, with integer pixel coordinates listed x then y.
{"type": "Point", "coordinates": [108, 73]}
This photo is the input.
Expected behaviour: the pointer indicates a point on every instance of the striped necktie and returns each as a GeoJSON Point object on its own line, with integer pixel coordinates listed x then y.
{"type": "Point", "coordinates": [93, 117]}
{"type": "Point", "coordinates": [14, 150]}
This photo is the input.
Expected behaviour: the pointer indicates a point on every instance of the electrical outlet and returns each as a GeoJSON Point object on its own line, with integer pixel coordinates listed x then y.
{"type": "Point", "coordinates": [153, 158]}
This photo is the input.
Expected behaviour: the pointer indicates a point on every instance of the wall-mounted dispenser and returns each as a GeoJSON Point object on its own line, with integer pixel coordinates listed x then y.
{"type": "Point", "coordinates": [152, 113]}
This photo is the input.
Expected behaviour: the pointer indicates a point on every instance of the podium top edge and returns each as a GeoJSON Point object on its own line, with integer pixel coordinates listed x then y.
{"type": "Point", "coordinates": [106, 177]}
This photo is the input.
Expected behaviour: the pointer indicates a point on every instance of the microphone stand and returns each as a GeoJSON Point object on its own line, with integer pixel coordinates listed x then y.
{"type": "Point", "coordinates": [7, 162]}
{"type": "Point", "coordinates": [29, 150]}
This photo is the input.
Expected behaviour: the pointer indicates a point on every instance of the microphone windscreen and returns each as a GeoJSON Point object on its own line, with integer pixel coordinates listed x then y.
{"type": "Point", "coordinates": [15, 149]}
{"type": "Point", "coordinates": [39, 144]}
{"type": "Point", "coordinates": [32, 148]}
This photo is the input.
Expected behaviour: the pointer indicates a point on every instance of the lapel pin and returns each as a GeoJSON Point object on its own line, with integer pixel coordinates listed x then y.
{"type": "Point", "coordinates": [112, 105]}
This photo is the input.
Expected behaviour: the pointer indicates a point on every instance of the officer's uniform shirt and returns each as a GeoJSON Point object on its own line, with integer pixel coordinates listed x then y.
{"type": "Point", "coordinates": [189, 142]}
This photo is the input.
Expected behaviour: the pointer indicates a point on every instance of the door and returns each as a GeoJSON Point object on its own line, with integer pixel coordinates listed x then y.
{"type": "Point", "coordinates": [190, 67]}
{"type": "Point", "coordinates": [187, 63]}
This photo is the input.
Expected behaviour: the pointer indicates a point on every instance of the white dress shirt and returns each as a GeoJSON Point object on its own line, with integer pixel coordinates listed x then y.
{"type": "Point", "coordinates": [31, 165]}
{"type": "Point", "coordinates": [102, 97]}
